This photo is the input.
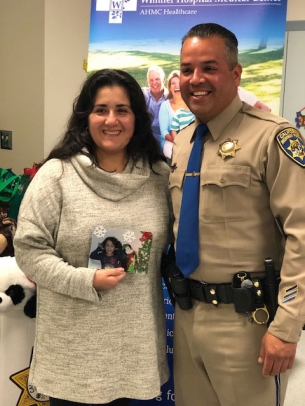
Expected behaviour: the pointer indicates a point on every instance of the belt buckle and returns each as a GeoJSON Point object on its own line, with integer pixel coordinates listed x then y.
{"type": "Point", "coordinates": [261, 315]}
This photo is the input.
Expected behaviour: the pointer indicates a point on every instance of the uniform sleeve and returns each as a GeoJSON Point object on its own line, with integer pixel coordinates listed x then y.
{"type": "Point", "coordinates": [165, 118]}
{"type": "Point", "coordinates": [285, 178]}
{"type": "Point", "coordinates": [35, 239]}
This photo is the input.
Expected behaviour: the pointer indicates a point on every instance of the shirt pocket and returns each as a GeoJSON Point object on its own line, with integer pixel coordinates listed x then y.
{"type": "Point", "coordinates": [225, 195]}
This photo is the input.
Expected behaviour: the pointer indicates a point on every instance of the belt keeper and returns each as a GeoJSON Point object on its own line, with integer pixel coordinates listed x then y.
{"type": "Point", "coordinates": [198, 288]}
{"type": "Point", "coordinates": [258, 292]}
{"type": "Point", "coordinates": [211, 292]}
{"type": "Point", "coordinates": [260, 314]}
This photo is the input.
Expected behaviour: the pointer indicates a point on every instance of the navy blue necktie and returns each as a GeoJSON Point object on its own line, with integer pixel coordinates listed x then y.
{"type": "Point", "coordinates": [187, 244]}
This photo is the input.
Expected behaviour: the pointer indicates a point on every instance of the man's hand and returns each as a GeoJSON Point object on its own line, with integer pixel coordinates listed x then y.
{"type": "Point", "coordinates": [276, 355]}
{"type": "Point", "coordinates": [108, 278]}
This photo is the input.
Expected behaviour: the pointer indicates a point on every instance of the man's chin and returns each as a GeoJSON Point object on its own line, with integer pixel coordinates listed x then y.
{"type": "Point", "coordinates": [199, 111]}
{"type": "Point", "coordinates": [159, 90]}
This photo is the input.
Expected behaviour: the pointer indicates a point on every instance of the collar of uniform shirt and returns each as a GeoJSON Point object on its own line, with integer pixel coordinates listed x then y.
{"type": "Point", "coordinates": [193, 136]}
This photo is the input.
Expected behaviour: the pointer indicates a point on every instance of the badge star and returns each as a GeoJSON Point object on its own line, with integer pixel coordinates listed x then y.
{"type": "Point", "coordinates": [25, 399]}
{"type": "Point", "coordinates": [296, 149]}
{"type": "Point", "coordinates": [228, 148]}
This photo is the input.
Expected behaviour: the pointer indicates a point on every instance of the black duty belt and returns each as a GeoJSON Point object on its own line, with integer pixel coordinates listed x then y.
{"type": "Point", "coordinates": [211, 292]}
{"type": "Point", "coordinates": [256, 296]}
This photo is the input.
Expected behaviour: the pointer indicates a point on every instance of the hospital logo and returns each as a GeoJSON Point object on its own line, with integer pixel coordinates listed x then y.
{"type": "Point", "coordinates": [116, 8]}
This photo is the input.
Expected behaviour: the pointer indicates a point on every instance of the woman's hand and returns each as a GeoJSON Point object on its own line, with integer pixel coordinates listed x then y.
{"type": "Point", "coordinates": [108, 278]}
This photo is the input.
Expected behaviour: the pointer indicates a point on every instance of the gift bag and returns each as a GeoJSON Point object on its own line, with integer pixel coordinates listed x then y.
{"type": "Point", "coordinates": [16, 201]}
{"type": "Point", "coordinates": [25, 179]}
{"type": "Point", "coordinates": [9, 183]}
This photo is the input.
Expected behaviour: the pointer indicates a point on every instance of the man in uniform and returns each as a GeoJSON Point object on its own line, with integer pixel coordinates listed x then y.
{"type": "Point", "coordinates": [154, 95]}
{"type": "Point", "coordinates": [252, 174]}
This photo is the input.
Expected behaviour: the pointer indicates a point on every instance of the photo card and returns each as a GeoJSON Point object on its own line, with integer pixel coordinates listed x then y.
{"type": "Point", "coordinates": [115, 248]}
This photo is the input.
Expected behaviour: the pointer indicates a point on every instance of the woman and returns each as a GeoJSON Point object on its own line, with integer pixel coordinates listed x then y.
{"type": "Point", "coordinates": [100, 335]}
{"type": "Point", "coordinates": [169, 107]}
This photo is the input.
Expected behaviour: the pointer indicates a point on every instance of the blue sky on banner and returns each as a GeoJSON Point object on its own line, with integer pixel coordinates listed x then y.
{"type": "Point", "coordinates": [164, 20]}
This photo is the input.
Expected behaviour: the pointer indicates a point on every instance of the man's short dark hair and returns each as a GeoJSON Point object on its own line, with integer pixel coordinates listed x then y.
{"type": "Point", "coordinates": [208, 30]}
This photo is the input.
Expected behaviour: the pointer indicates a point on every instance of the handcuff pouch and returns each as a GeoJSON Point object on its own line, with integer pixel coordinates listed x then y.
{"type": "Point", "coordinates": [243, 293]}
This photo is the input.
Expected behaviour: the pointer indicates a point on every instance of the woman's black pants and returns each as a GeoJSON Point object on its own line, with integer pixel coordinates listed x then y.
{"type": "Point", "coordinates": [117, 402]}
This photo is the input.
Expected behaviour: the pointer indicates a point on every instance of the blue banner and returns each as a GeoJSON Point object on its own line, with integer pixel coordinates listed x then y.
{"type": "Point", "coordinates": [135, 34]}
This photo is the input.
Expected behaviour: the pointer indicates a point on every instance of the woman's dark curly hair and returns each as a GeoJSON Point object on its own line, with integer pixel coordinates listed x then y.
{"type": "Point", "coordinates": [142, 144]}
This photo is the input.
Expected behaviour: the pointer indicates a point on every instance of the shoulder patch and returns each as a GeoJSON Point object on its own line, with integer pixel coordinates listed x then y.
{"type": "Point", "coordinates": [292, 143]}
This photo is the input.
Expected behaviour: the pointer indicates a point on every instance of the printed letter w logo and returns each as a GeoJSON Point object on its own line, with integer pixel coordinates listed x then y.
{"type": "Point", "coordinates": [116, 8]}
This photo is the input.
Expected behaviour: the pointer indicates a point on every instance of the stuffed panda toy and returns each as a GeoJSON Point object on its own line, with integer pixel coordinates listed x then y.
{"type": "Point", "coordinates": [17, 328]}
{"type": "Point", "coordinates": [17, 292]}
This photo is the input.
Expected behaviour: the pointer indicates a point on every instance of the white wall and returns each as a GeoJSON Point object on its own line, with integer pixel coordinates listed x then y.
{"type": "Point", "coordinates": [42, 47]}
{"type": "Point", "coordinates": [22, 80]}
{"type": "Point", "coordinates": [66, 46]}
{"type": "Point", "coordinates": [295, 10]}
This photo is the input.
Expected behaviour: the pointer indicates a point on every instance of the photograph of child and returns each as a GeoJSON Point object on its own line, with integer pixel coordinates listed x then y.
{"type": "Point", "coordinates": [111, 254]}
{"type": "Point", "coordinates": [115, 248]}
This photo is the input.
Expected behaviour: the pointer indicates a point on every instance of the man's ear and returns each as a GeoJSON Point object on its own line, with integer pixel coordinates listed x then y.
{"type": "Point", "coordinates": [237, 71]}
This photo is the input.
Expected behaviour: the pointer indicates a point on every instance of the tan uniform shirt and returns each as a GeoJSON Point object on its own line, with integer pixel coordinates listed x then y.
{"type": "Point", "coordinates": [240, 196]}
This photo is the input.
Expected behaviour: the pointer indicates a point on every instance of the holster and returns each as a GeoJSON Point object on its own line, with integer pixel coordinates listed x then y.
{"type": "Point", "coordinates": [175, 281]}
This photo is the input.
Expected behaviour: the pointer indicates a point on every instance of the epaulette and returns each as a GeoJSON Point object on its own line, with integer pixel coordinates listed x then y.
{"type": "Point", "coordinates": [264, 115]}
